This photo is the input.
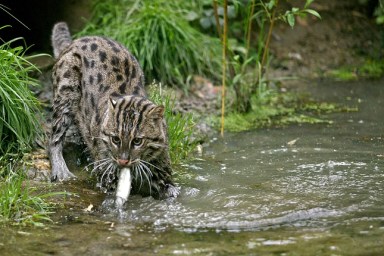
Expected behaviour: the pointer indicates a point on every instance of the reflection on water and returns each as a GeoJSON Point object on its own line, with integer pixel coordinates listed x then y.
{"type": "Point", "coordinates": [311, 189]}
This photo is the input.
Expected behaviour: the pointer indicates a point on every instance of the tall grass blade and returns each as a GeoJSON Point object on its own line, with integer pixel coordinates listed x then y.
{"type": "Point", "coordinates": [19, 109]}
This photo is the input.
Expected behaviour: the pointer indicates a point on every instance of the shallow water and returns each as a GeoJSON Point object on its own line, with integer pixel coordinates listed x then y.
{"type": "Point", "coordinates": [297, 190]}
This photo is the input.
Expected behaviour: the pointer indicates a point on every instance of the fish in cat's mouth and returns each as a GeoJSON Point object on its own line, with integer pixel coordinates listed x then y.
{"type": "Point", "coordinates": [124, 186]}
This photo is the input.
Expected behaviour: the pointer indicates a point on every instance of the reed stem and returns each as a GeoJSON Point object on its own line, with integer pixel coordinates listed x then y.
{"type": "Point", "coordinates": [266, 47]}
{"type": "Point", "coordinates": [216, 14]}
{"type": "Point", "coordinates": [224, 66]}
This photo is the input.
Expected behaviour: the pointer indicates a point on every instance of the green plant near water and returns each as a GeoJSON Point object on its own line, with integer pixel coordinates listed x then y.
{"type": "Point", "coordinates": [19, 109]}
{"type": "Point", "coordinates": [18, 205]}
{"type": "Point", "coordinates": [378, 12]}
{"type": "Point", "coordinates": [180, 126]}
{"type": "Point", "coordinates": [370, 69]}
{"type": "Point", "coordinates": [277, 109]}
{"type": "Point", "coordinates": [252, 69]}
{"type": "Point", "coordinates": [249, 67]}
{"type": "Point", "coordinates": [20, 202]}
{"type": "Point", "coordinates": [269, 107]}
{"type": "Point", "coordinates": [19, 126]}
{"type": "Point", "coordinates": [169, 49]}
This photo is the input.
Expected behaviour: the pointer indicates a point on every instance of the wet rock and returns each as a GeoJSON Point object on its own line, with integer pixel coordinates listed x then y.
{"type": "Point", "coordinates": [37, 166]}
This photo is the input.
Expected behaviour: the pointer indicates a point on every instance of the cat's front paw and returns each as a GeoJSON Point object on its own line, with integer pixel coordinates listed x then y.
{"type": "Point", "coordinates": [172, 191]}
{"type": "Point", "coordinates": [61, 173]}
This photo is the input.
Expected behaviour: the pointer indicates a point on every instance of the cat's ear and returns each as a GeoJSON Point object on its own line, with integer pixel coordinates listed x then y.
{"type": "Point", "coordinates": [157, 112]}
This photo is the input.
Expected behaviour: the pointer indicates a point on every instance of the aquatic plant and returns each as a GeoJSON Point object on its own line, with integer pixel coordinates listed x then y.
{"type": "Point", "coordinates": [19, 108]}
{"type": "Point", "coordinates": [169, 49]}
{"type": "Point", "coordinates": [277, 109]}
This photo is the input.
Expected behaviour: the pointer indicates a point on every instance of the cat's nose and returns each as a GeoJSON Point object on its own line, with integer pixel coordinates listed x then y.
{"type": "Point", "coordinates": [122, 162]}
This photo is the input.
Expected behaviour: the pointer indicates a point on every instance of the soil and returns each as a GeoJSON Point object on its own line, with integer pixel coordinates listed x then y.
{"type": "Point", "coordinates": [345, 36]}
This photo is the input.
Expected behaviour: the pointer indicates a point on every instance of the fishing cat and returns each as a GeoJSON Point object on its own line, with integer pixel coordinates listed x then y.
{"type": "Point", "coordinates": [99, 87]}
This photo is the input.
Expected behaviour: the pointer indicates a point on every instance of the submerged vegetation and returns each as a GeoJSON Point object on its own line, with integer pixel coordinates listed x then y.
{"type": "Point", "coordinates": [281, 109]}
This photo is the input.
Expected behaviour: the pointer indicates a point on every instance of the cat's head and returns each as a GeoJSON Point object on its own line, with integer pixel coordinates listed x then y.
{"type": "Point", "coordinates": [134, 130]}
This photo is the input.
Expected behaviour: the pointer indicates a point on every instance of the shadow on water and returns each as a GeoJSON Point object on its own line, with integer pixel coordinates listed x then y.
{"type": "Point", "coordinates": [302, 190]}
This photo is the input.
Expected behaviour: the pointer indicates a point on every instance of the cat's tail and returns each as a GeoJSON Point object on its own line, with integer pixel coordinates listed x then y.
{"type": "Point", "coordinates": [61, 38]}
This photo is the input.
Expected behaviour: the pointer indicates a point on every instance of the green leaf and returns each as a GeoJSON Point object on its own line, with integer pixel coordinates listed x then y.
{"type": "Point", "coordinates": [291, 19]}
{"type": "Point", "coordinates": [191, 16]}
{"type": "Point", "coordinates": [308, 3]}
{"type": "Point", "coordinates": [237, 78]}
{"type": "Point", "coordinates": [313, 12]}
{"type": "Point", "coordinates": [271, 4]}
{"type": "Point", "coordinates": [380, 19]}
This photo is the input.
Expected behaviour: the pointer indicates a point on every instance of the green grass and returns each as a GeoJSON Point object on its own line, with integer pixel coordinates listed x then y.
{"type": "Point", "coordinates": [19, 202]}
{"type": "Point", "coordinates": [19, 109]}
{"type": "Point", "coordinates": [180, 126]}
{"type": "Point", "coordinates": [19, 126]}
{"type": "Point", "coordinates": [169, 49]}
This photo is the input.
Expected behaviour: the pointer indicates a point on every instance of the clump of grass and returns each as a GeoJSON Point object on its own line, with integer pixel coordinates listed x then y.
{"type": "Point", "coordinates": [18, 202]}
{"type": "Point", "coordinates": [156, 32]}
{"type": "Point", "coordinates": [19, 126]}
{"type": "Point", "coordinates": [19, 109]}
{"type": "Point", "coordinates": [180, 126]}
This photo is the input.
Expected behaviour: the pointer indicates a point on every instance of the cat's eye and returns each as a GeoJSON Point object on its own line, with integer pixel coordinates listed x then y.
{"type": "Point", "coordinates": [115, 140]}
{"type": "Point", "coordinates": [137, 141]}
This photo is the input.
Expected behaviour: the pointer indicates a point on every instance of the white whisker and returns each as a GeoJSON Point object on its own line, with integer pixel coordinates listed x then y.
{"type": "Point", "coordinates": [147, 173]}
{"type": "Point", "coordinates": [107, 171]}
{"type": "Point", "coordinates": [141, 175]}
{"type": "Point", "coordinates": [99, 167]}
{"type": "Point", "coordinates": [154, 166]}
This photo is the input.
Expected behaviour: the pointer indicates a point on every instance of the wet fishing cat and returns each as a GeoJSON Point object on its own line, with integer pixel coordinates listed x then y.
{"type": "Point", "coordinates": [99, 86]}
